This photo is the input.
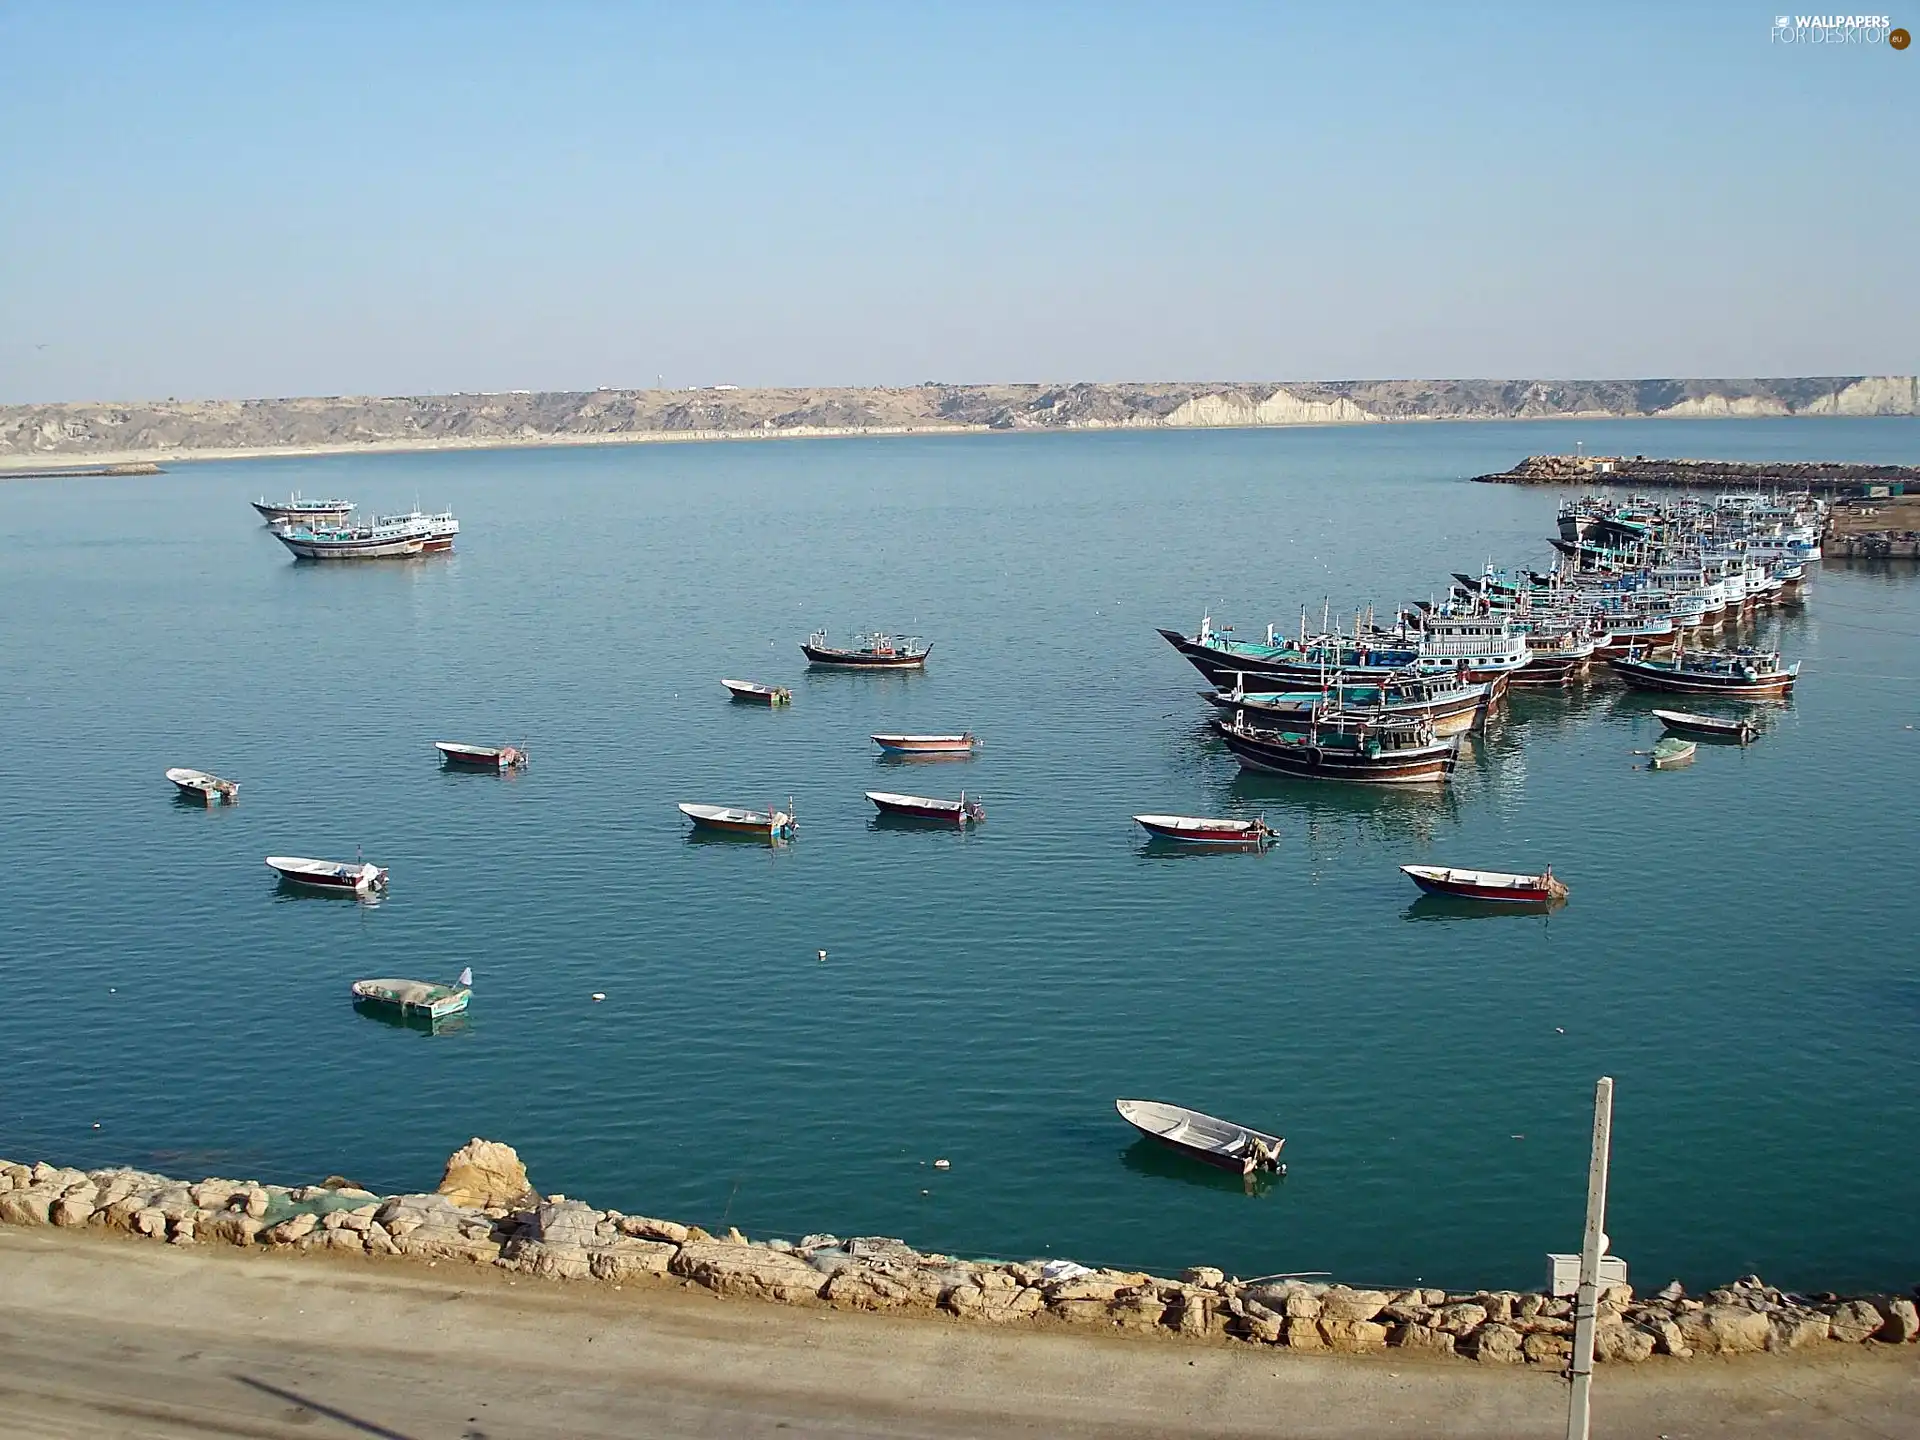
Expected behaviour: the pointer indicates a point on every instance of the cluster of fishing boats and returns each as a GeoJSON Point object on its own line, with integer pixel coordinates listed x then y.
{"type": "Point", "coordinates": [326, 530]}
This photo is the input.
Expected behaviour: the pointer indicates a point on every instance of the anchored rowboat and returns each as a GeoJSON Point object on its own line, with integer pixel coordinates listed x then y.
{"type": "Point", "coordinates": [421, 999]}
{"type": "Point", "coordinates": [768, 824]}
{"type": "Point", "coordinates": [1197, 830]}
{"type": "Point", "coordinates": [335, 875]}
{"type": "Point", "coordinates": [199, 785]}
{"type": "Point", "coordinates": [1671, 752]}
{"type": "Point", "coordinates": [1711, 727]}
{"type": "Point", "coordinates": [1218, 1142]}
{"type": "Point", "coordinates": [481, 757]}
{"type": "Point", "coordinates": [1495, 885]}
{"type": "Point", "coordinates": [962, 744]}
{"type": "Point", "coordinates": [754, 694]}
{"type": "Point", "coordinates": [920, 807]}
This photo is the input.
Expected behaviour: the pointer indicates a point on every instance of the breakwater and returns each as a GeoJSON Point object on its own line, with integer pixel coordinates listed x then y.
{"type": "Point", "coordinates": [486, 1212]}
{"type": "Point", "coordinates": [1642, 472]}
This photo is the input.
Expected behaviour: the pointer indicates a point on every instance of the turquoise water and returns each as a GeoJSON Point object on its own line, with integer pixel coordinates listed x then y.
{"type": "Point", "coordinates": [1738, 951]}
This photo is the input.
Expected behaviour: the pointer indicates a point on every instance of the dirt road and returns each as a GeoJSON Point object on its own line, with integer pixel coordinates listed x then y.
{"type": "Point", "coordinates": [101, 1336]}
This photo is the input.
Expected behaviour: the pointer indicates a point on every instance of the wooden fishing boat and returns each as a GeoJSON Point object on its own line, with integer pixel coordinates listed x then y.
{"type": "Point", "coordinates": [753, 694]}
{"type": "Point", "coordinates": [207, 789]}
{"type": "Point", "coordinates": [1711, 727]}
{"type": "Point", "coordinates": [1494, 885]}
{"type": "Point", "coordinates": [1734, 674]}
{"type": "Point", "coordinates": [875, 651]}
{"type": "Point", "coordinates": [336, 875]}
{"type": "Point", "coordinates": [919, 807]}
{"type": "Point", "coordinates": [768, 824]}
{"type": "Point", "coordinates": [1453, 707]}
{"type": "Point", "coordinates": [416, 999]}
{"type": "Point", "coordinates": [1671, 752]}
{"type": "Point", "coordinates": [481, 757]}
{"type": "Point", "coordinates": [1204, 1137]}
{"type": "Point", "coordinates": [961, 744]}
{"type": "Point", "coordinates": [296, 509]}
{"type": "Point", "coordinates": [386, 537]}
{"type": "Point", "coordinates": [1200, 830]}
{"type": "Point", "coordinates": [1333, 747]}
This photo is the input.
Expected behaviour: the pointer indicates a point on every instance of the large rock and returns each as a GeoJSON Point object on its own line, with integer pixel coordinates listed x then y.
{"type": "Point", "coordinates": [1670, 1339]}
{"type": "Point", "coordinates": [642, 1227]}
{"type": "Point", "coordinates": [73, 1209]}
{"type": "Point", "coordinates": [1197, 1315]}
{"type": "Point", "coordinates": [294, 1227]}
{"type": "Point", "coordinates": [1354, 1337]}
{"type": "Point", "coordinates": [485, 1172]}
{"type": "Point", "coordinates": [1341, 1303]}
{"type": "Point", "coordinates": [1086, 1287]}
{"type": "Point", "coordinates": [1460, 1319]}
{"type": "Point", "coordinates": [1304, 1335]}
{"type": "Point", "coordinates": [1727, 1330]}
{"type": "Point", "coordinates": [1143, 1309]}
{"type": "Point", "coordinates": [1856, 1320]}
{"type": "Point", "coordinates": [28, 1205]}
{"type": "Point", "coordinates": [1205, 1276]}
{"type": "Point", "coordinates": [1423, 1338]}
{"type": "Point", "coordinates": [733, 1269]}
{"type": "Point", "coordinates": [1795, 1329]}
{"type": "Point", "coordinates": [626, 1258]}
{"type": "Point", "coordinates": [1542, 1348]}
{"type": "Point", "coordinates": [1496, 1344]}
{"type": "Point", "coordinates": [1903, 1322]}
{"type": "Point", "coordinates": [1622, 1344]}
{"type": "Point", "coordinates": [234, 1227]}
{"type": "Point", "coordinates": [860, 1288]}
{"type": "Point", "coordinates": [997, 1304]}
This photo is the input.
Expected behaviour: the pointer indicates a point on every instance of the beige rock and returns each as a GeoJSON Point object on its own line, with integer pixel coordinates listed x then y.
{"type": "Point", "coordinates": [231, 1227]}
{"type": "Point", "coordinates": [626, 1258]}
{"type": "Point", "coordinates": [151, 1222]}
{"type": "Point", "coordinates": [1855, 1321]}
{"type": "Point", "coordinates": [858, 1288]}
{"type": "Point", "coordinates": [1204, 1275]}
{"type": "Point", "coordinates": [1423, 1338]}
{"type": "Point", "coordinates": [1354, 1337]}
{"type": "Point", "coordinates": [1079, 1312]}
{"type": "Point", "coordinates": [1622, 1344]}
{"type": "Point", "coordinates": [1197, 1316]}
{"type": "Point", "coordinates": [1525, 1307]}
{"type": "Point", "coordinates": [529, 1257]}
{"type": "Point", "coordinates": [1498, 1305]}
{"type": "Point", "coordinates": [28, 1205]}
{"type": "Point", "coordinates": [73, 1209]}
{"type": "Point", "coordinates": [1303, 1305]}
{"type": "Point", "coordinates": [1542, 1348]}
{"type": "Point", "coordinates": [1497, 1345]}
{"type": "Point", "coordinates": [351, 1241]}
{"type": "Point", "coordinates": [1670, 1339]}
{"type": "Point", "coordinates": [1262, 1322]}
{"type": "Point", "coordinates": [212, 1194]}
{"type": "Point", "coordinates": [1085, 1287]}
{"type": "Point", "coordinates": [1795, 1329]}
{"type": "Point", "coordinates": [1304, 1335]}
{"type": "Point", "coordinates": [746, 1270]}
{"type": "Point", "coordinates": [379, 1242]}
{"type": "Point", "coordinates": [996, 1304]}
{"type": "Point", "coordinates": [1341, 1303]}
{"type": "Point", "coordinates": [641, 1227]}
{"type": "Point", "coordinates": [1725, 1330]}
{"type": "Point", "coordinates": [1142, 1310]}
{"type": "Point", "coordinates": [290, 1229]}
{"type": "Point", "coordinates": [1461, 1318]}
{"type": "Point", "coordinates": [485, 1172]}
{"type": "Point", "coordinates": [180, 1229]}
{"type": "Point", "coordinates": [1903, 1321]}
{"type": "Point", "coordinates": [120, 1214]}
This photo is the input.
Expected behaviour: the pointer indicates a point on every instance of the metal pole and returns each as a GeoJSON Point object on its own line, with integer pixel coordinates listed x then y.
{"type": "Point", "coordinates": [1586, 1307]}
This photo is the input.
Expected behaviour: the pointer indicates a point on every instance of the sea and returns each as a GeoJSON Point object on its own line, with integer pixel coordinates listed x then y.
{"type": "Point", "coordinates": [788, 1039]}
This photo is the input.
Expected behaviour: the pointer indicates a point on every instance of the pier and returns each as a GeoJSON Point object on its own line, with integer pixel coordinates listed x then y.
{"type": "Point", "coordinates": [66, 472]}
{"type": "Point", "coordinates": [1641, 472]}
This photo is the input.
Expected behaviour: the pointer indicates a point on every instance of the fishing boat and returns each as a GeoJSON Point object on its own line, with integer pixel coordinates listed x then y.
{"type": "Point", "coordinates": [1671, 752]}
{"type": "Point", "coordinates": [752, 694]}
{"type": "Point", "coordinates": [1743, 674]}
{"type": "Point", "coordinates": [768, 824]}
{"type": "Point", "coordinates": [207, 789]}
{"type": "Point", "coordinates": [386, 537]}
{"type": "Point", "coordinates": [415, 999]}
{"type": "Point", "coordinates": [335, 875]}
{"type": "Point", "coordinates": [1201, 830]}
{"type": "Point", "coordinates": [1453, 706]}
{"type": "Point", "coordinates": [1204, 1137]}
{"type": "Point", "coordinates": [481, 757]}
{"type": "Point", "coordinates": [1333, 746]}
{"type": "Point", "coordinates": [874, 651]}
{"type": "Point", "coordinates": [919, 807]}
{"type": "Point", "coordinates": [1494, 885]}
{"type": "Point", "coordinates": [961, 744]}
{"type": "Point", "coordinates": [298, 510]}
{"type": "Point", "coordinates": [1711, 727]}
{"type": "Point", "coordinates": [437, 530]}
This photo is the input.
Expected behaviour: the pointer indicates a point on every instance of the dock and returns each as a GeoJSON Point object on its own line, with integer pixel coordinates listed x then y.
{"type": "Point", "coordinates": [1641, 472]}
{"type": "Point", "coordinates": [67, 472]}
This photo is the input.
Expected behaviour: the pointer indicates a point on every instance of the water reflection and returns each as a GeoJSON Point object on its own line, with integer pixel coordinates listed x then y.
{"type": "Point", "coordinates": [285, 889]}
{"type": "Point", "coordinates": [1456, 907]}
{"type": "Point", "coordinates": [403, 1020]}
{"type": "Point", "coordinates": [1150, 1158]}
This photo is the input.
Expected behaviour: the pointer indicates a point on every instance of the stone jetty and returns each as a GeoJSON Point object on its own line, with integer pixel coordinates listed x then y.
{"type": "Point", "coordinates": [485, 1212]}
{"type": "Point", "coordinates": [1643, 472]}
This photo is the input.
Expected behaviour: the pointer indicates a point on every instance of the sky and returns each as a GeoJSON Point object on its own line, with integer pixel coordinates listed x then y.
{"type": "Point", "coordinates": [203, 200]}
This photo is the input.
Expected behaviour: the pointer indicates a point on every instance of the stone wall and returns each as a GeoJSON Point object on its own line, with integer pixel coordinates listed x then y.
{"type": "Point", "coordinates": [485, 1213]}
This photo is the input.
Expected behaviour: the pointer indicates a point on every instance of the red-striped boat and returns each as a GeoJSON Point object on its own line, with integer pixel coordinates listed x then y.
{"type": "Point", "coordinates": [920, 807]}
{"type": "Point", "coordinates": [1493, 885]}
{"type": "Point", "coordinates": [1198, 830]}
{"type": "Point", "coordinates": [962, 744]}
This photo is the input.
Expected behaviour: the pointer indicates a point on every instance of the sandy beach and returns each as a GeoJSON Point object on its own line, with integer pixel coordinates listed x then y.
{"type": "Point", "coordinates": [103, 1336]}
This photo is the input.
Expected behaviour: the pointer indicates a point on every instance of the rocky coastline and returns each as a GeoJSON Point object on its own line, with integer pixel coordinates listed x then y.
{"type": "Point", "coordinates": [1644, 472]}
{"type": "Point", "coordinates": [485, 1212]}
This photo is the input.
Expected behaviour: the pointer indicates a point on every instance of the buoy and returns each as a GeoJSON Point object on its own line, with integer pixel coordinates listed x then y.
{"type": "Point", "coordinates": [943, 1164]}
{"type": "Point", "coordinates": [599, 995]}
{"type": "Point", "coordinates": [823, 957]}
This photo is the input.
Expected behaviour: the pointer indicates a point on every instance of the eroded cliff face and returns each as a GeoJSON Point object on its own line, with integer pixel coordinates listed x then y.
{"type": "Point", "coordinates": [154, 430]}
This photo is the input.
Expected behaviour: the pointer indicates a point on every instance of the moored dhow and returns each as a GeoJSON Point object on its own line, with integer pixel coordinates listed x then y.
{"type": "Point", "coordinates": [358, 878]}
{"type": "Point", "coordinates": [1743, 674]}
{"type": "Point", "coordinates": [299, 510]}
{"type": "Point", "coordinates": [386, 537]}
{"type": "Point", "coordinates": [1335, 747]}
{"type": "Point", "coordinates": [1491, 885]}
{"type": "Point", "coordinates": [961, 744]}
{"type": "Point", "coordinates": [875, 651]}
{"type": "Point", "coordinates": [768, 824]}
{"type": "Point", "coordinates": [1453, 706]}
{"type": "Point", "coordinates": [481, 757]}
{"type": "Point", "coordinates": [1205, 830]}
{"type": "Point", "coordinates": [199, 785]}
{"type": "Point", "coordinates": [922, 807]}
{"type": "Point", "coordinates": [756, 694]}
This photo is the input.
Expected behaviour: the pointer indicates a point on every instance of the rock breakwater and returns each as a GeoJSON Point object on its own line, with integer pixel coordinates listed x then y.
{"type": "Point", "coordinates": [1640, 471]}
{"type": "Point", "coordinates": [486, 1213]}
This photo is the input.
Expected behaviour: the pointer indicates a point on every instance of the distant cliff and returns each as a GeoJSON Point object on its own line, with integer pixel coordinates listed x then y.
{"type": "Point", "coordinates": [33, 435]}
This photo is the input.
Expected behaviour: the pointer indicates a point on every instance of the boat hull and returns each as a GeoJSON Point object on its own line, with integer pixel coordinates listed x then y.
{"type": "Point", "coordinates": [1185, 831]}
{"type": "Point", "coordinates": [320, 515]}
{"type": "Point", "coordinates": [308, 547]}
{"type": "Point", "coordinates": [1452, 716]}
{"type": "Point", "coordinates": [1416, 765]}
{"type": "Point", "coordinates": [920, 807]}
{"type": "Point", "coordinates": [1643, 676]}
{"type": "Point", "coordinates": [480, 757]}
{"type": "Point", "coordinates": [753, 824]}
{"type": "Point", "coordinates": [748, 693]}
{"type": "Point", "coordinates": [824, 658]}
{"type": "Point", "coordinates": [926, 744]}
{"type": "Point", "coordinates": [1707, 727]}
{"type": "Point", "coordinates": [1457, 887]}
{"type": "Point", "coordinates": [335, 878]}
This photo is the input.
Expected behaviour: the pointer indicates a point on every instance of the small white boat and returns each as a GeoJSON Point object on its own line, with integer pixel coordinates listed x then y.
{"type": "Point", "coordinates": [416, 999]}
{"type": "Point", "coordinates": [335, 875]}
{"type": "Point", "coordinates": [922, 807]}
{"type": "Point", "coordinates": [1682, 722]}
{"type": "Point", "coordinates": [768, 824]}
{"type": "Point", "coordinates": [1670, 753]}
{"type": "Point", "coordinates": [199, 785]}
{"type": "Point", "coordinates": [1198, 830]}
{"type": "Point", "coordinates": [961, 744]}
{"type": "Point", "coordinates": [1494, 885]}
{"type": "Point", "coordinates": [481, 757]}
{"type": "Point", "coordinates": [757, 694]}
{"type": "Point", "coordinates": [1205, 1137]}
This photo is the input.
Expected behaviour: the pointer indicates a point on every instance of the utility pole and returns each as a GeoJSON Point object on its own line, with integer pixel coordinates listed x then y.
{"type": "Point", "coordinates": [1586, 1307]}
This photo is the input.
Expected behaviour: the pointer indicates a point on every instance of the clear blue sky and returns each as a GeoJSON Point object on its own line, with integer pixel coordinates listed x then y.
{"type": "Point", "coordinates": [215, 200]}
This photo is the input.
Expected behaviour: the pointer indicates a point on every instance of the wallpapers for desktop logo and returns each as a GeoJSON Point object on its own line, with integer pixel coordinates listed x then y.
{"type": "Point", "coordinates": [1838, 30]}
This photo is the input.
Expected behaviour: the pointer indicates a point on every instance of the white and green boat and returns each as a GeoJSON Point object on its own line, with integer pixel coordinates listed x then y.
{"type": "Point", "coordinates": [416, 999]}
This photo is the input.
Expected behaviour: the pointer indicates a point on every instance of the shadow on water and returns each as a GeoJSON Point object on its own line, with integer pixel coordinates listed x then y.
{"type": "Point", "coordinates": [1158, 847]}
{"type": "Point", "coordinates": [916, 824]}
{"type": "Point", "coordinates": [400, 1020]}
{"type": "Point", "coordinates": [1457, 907]}
{"type": "Point", "coordinates": [701, 835]}
{"type": "Point", "coordinates": [285, 889]}
{"type": "Point", "coordinates": [184, 801]}
{"type": "Point", "coordinates": [1293, 806]}
{"type": "Point", "coordinates": [1150, 1158]}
